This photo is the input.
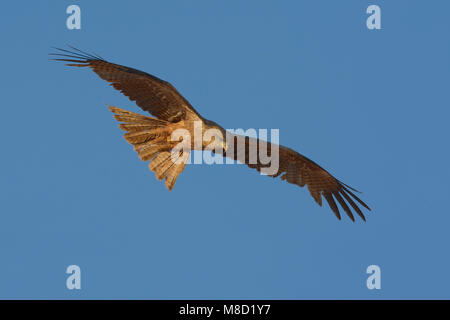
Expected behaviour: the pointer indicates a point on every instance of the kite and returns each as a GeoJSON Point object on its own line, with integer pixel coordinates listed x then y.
{"type": "Point", "coordinates": [152, 137]}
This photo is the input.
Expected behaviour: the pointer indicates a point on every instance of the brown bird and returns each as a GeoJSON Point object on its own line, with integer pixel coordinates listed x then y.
{"type": "Point", "coordinates": [152, 138]}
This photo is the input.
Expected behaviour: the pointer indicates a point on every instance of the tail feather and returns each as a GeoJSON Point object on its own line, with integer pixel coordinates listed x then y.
{"type": "Point", "coordinates": [144, 135]}
{"type": "Point", "coordinates": [148, 152]}
{"type": "Point", "coordinates": [136, 127]}
{"type": "Point", "coordinates": [159, 160]}
{"type": "Point", "coordinates": [132, 118]}
{"type": "Point", "coordinates": [174, 171]}
{"type": "Point", "coordinates": [150, 138]}
{"type": "Point", "coordinates": [161, 170]}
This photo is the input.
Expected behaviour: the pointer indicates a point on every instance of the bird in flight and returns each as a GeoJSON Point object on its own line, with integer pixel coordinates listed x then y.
{"type": "Point", "coordinates": [152, 137]}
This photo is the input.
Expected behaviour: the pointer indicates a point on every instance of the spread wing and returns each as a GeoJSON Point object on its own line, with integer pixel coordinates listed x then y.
{"type": "Point", "coordinates": [296, 169]}
{"type": "Point", "coordinates": [152, 94]}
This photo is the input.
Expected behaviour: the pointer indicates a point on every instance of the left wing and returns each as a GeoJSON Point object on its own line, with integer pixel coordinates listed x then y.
{"type": "Point", "coordinates": [298, 169]}
{"type": "Point", "coordinates": [151, 94]}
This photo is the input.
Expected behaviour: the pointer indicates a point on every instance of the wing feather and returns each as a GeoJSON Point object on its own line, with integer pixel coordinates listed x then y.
{"type": "Point", "coordinates": [150, 93]}
{"type": "Point", "coordinates": [332, 204]}
{"type": "Point", "coordinates": [299, 170]}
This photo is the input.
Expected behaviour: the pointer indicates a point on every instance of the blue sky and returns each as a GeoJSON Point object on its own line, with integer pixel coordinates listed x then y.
{"type": "Point", "coordinates": [371, 106]}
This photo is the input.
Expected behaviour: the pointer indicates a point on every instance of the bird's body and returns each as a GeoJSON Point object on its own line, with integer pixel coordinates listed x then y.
{"type": "Point", "coordinates": [158, 138]}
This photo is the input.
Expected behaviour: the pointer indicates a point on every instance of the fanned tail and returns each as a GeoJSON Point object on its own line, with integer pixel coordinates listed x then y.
{"type": "Point", "coordinates": [150, 138]}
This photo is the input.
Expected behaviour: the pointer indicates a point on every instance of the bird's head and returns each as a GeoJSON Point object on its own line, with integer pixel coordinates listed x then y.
{"type": "Point", "coordinates": [215, 137]}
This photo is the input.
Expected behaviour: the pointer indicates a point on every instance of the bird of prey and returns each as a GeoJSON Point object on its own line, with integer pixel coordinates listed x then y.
{"type": "Point", "coordinates": [151, 136]}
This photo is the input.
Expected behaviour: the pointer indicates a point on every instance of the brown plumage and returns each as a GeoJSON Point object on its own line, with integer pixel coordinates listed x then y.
{"type": "Point", "coordinates": [151, 137]}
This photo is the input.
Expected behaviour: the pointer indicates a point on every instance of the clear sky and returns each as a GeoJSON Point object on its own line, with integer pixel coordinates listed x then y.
{"type": "Point", "coordinates": [370, 106]}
